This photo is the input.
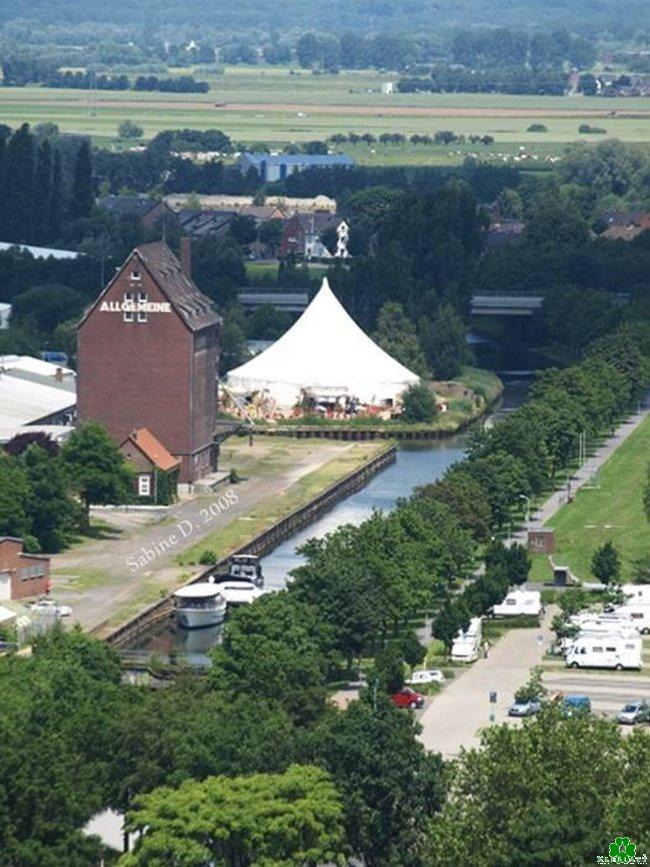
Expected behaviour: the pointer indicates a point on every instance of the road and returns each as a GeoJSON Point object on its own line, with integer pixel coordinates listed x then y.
{"type": "Point", "coordinates": [455, 716]}
{"type": "Point", "coordinates": [583, 475]}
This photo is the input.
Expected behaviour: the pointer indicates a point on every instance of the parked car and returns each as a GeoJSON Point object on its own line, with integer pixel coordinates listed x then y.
{"type": "Point", "coordinates": [426, 675]}
{"type": "Point", "coordinates": [49, 606]}
{"type": "Point", "coordinates": [407, 697]}
{"type": "Point", "coordinates": [574, 705]}
{"type": "Point", "coordinates": [524, 708]}
{"type": "Point", "coordinates": [635, 711]}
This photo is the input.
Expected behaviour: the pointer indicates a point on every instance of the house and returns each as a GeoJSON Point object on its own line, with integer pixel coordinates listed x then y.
{"type": "Point", "coordinates": [22, 575]}
{"type": "Point", "coordinates": [263, 213]}
{"type": "Point", "coordinates": [197, 223]}
{"type": "Point", "coordinates": [147, 357]}
{"type": "Point", "coordinates": [625, 225]}
{"type": "Point", "coordinates": [148, 213]}
{"type": "Point", "coordinates": [303, 232]}
{"type": "Point", "coordinates": [156, 469]}
{"type": "Point", "coordinates": [503, 233]}
{"type": "Point", "coordinates": [277, 167]}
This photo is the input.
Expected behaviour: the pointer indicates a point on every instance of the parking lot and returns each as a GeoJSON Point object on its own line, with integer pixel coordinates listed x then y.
{"type": "Point", "coordinates": [608, 691]}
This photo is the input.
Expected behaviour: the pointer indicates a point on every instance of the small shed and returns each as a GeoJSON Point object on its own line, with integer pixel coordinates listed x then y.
{"type": "Point", "coordinates": [156, 470]}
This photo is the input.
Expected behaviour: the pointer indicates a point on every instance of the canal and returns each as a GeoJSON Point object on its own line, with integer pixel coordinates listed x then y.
{"type": "Point", "coordinates": [417, 463]}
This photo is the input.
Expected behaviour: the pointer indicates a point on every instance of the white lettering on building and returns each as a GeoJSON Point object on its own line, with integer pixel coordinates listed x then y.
{"type": "Point", "coordinates": [135, 307]}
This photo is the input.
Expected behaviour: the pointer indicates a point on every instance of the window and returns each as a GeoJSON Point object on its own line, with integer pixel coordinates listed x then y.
{"type": "Point", "coordinates": [142, 299]}
{"type": "Point", "coordinates": [128, 314]}
{"type": "Point", "coordinates": [596, 649]}
{"type": "Point", "coordinates": [144, 485]}
{"type": "Point", "coordinates": [610, 649]}
{"type": "Point", "coordinates": [135, 274]}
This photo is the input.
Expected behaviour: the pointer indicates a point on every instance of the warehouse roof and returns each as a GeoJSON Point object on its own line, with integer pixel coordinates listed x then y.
{"type": "Point", "coordinates": [23, 402]}
{"type": "Point", "coordinates": [40, 252]}
{"type": "Point", "coordinates": [304, 160]}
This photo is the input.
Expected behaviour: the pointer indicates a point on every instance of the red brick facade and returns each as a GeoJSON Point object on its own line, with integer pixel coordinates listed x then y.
{"type": "Point", "coordinates": [154, 367]}
{"type": "Point", "coordinates": [21, 575]}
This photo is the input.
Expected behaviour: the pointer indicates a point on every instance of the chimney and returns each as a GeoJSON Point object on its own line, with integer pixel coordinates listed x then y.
{"type": "Point", "coordinates": [186, 256]}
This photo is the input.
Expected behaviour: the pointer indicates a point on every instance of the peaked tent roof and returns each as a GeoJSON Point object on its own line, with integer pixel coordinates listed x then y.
{"type": "Point", "coordinates": [324, 350]}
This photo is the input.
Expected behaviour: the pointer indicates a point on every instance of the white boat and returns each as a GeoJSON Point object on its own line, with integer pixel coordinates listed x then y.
{"type": "Point", "coordinates": [238, 592]}
{"type": "Point", "coordinates": [246, 567]}
{"type": "Point", "coordinates": [198, 605]}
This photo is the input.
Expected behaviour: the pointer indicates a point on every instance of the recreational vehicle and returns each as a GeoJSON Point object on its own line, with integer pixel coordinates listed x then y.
{"type": "Point", "coordinates": [605, 651]}
{"type": "Point", "coordinates": [639, 594]}
{"type": "Point", "coordinates": [638, 614]}
{"type": "Point", "coordinates": [520, 602]}
{"type": "Point", "coordinates": [466, 644]}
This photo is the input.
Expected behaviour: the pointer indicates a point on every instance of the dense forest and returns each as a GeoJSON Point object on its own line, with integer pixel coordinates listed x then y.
{"type": "Point", "coordinates": [334, 15]}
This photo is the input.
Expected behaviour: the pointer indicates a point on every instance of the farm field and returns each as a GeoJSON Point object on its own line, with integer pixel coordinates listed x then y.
{"type": "Point", "coordinates": [611, 510]}
{"type": "Point", "coordinates": [269, 104]}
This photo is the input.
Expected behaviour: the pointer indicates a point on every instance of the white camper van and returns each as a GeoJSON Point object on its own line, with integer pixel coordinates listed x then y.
{"type": "Point", "coordinates": [605, 651]}
{"type": "Point", "coordinates": [638, 614]}
{"type": "Point", "coordinates": [638, 594]}
{"type": "Point", "coordinates": [466, 644]}
{"type": "Point", "coordinates": [520, 602]}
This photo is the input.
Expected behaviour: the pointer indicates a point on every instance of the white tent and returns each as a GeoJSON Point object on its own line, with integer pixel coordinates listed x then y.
{"type": "Point", "coordinates": [324, 352]}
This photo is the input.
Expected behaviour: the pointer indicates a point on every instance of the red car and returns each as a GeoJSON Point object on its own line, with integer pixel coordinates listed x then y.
{"type": "Point", "coordinates": [408, 697]}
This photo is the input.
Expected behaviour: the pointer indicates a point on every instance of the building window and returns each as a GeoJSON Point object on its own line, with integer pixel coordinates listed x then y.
{"type": "Point", "coordinates": [142, 299]}
{"type": "Point", "coordinates": [135, 274]}
{"type": "Point", "coordinates": [128, 314]}
{"type": "Point", "coordinates": [144, 486]}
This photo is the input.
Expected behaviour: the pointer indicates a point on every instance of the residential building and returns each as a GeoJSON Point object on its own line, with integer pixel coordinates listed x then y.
{"type": "Point", "coordinates": [151, 462]}
{"type": "Point", "coordinates": [148, 213]}
{"type": "Point", "coordinates": [277, 167]}
{"type": "Point", "coordinates": [147, 358]}
{"type": "Point", "coordinates": [302, 235]}
{"type": "Point", "coordinates": [22, 575]}
{"type": "Point", "coordinates": [197, 223]}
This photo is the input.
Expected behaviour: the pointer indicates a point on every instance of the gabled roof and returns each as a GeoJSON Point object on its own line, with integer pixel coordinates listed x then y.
{"type": "Point", "coordinates": [193, 307]}
{"type": "Point", "coordinates": [127, 206]}
{"type": "Point", "coordinates": [153, 450]}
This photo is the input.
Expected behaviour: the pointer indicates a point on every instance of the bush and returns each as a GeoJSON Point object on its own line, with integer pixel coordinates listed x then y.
{"type": "Point", "coordinates": [591, 130]}
{"type": "Point", "coordinates": [208, 557]}
{"type": "Point", "coordinates": [418, 403]}
{"type": "Point", "coordinates": [128, 129]}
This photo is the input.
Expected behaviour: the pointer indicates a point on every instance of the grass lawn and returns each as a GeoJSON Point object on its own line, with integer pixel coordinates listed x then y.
{"type": "Point", "coordinates": [240, 530]}
{"type": "Point", "coordinates": [613, 511]}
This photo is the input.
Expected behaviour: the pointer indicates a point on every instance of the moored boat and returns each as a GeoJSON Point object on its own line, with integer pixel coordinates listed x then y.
{"type": "Point", "coordinates": [199, 605]}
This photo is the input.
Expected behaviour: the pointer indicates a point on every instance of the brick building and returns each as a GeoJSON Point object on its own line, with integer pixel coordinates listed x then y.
{"type": "Point", "coordinates": [151, 461]}
{"type": "Point", "coordinates": [147, 358]}
{"type": "Point", "coordinates": [21, 575]}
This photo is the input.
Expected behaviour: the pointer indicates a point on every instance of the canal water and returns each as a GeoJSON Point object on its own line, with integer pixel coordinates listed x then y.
{"type": "Point", "coordinates": [417, 464]}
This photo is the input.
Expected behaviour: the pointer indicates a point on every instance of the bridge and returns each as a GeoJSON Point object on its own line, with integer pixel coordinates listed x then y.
{"type": "Point", "coordinates": [505, 305]}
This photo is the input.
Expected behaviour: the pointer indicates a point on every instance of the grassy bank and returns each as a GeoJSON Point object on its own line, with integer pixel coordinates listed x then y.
{"type": "Point", "coordinates": [236, 533]}
{"type": "Point", "coordinates": [611, 510]}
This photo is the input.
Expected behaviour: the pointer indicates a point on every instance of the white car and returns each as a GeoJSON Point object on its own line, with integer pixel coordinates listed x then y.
{"type": "Point", "coordinates": [426, 675]}
{"type": "Point", "coordinates": [49, 606]}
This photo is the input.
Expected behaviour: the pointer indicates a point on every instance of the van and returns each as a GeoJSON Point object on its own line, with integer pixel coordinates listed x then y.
{"type": "Point", "coordinates": [519, 602]}
{"type": "Point", "coordinates": [605, 651]}
{"type": "Point", "coordinates": [466, 644]}
{"type": "Point", "coordinates": [575, 705]}
{"type": "Point", "coordinates": [636, 593]}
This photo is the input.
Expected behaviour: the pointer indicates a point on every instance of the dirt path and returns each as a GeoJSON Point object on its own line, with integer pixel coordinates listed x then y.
{"type": "Point", "coordinates": [100, 578]}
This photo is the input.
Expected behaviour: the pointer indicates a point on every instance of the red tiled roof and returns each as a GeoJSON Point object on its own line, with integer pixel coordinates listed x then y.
{"type": "Point", "coordinates": [153, 450]}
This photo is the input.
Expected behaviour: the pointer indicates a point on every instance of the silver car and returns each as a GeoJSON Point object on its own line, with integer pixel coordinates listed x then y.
{"type": "Point", "coordinates": [635, 711]}
{"type": "Point", "coordinates": [524, 708]}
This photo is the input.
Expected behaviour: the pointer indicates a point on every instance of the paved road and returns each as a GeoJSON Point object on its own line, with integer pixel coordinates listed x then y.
{"type": "Point", "coordinates": [455, 716]}
{"type": "Point", "coordinates": [608, 691]}
{"type": "Point", "coordinates": [555, 502]}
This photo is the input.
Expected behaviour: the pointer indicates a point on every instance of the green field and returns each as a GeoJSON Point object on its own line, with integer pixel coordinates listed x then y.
{"type": "Point", "coordinates": [269, 104]}
{"type": "Point", "coordinates": [612, 510]}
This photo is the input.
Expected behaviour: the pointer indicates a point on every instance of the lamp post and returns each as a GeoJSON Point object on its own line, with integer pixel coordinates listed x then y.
{"type": "Point", "coordinates": [527, 498]}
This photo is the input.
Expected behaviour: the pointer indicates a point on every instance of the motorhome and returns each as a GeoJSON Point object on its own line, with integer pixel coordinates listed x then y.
{"type": "Point", "coordinates": [638, 594]}
{"type": "Point", "coordinates": [520, 602]}
{"type": "Point", "coordinates": [638, 615]}
{"type": "Point", "coordinates": [466, 643]}
{"type": "Point", "coordinates": [605, 651]}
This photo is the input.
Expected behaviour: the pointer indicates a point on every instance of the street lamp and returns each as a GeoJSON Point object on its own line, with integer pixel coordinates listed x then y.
{"type": "Point", "coordinates": [525, 497]}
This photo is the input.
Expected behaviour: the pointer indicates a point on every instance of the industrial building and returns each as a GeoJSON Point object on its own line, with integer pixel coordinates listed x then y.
{"type": "Point", "coordinates": [277, 167]}
{"type": "Point", "coordinates": [147, 358]}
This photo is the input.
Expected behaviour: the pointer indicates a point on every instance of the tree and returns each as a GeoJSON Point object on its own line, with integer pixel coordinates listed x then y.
{"type": "Point", "coordinates": [465, 497]}
{"type": "Point", "coordinates": [243, 229]}
{"type": "Point", "coordinates": [53, 513]}
{"type": "Point", "coordinates": [444, 342]}
{"type": "Point", "coordinates": [396, 335]}
{"type": "Point", "coordinates": [418, 403]}
{"type": "Point", "coordinates": [389, 785]}
{"type": "Point", "coordinates": [564, 772]}
{"type": "Point", "coordinates": [41, 308]}
{"type": "Point", "coordinates": [606, 564]}
{"type": "Point", "coordinates": [96, 467]}
{"type": "Point", "coordinates": [43, 192]}
{"type": "Point", "coordinates": [129, 129]}
{"type": "Point", "coordinates": [270, 233]}
{"type": "Point", "coordinates": [294, 818]}
{"type": "Point", "coordinates": [56, 202]}
{"type": "Point", "coordinates": [308, 50]}
{"type": "Point", "coordinates": [14, 501]}
{"type": "Point", "coordinates": [18, 190]}
{"type": "Point", "coordinates": [83, 197]}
